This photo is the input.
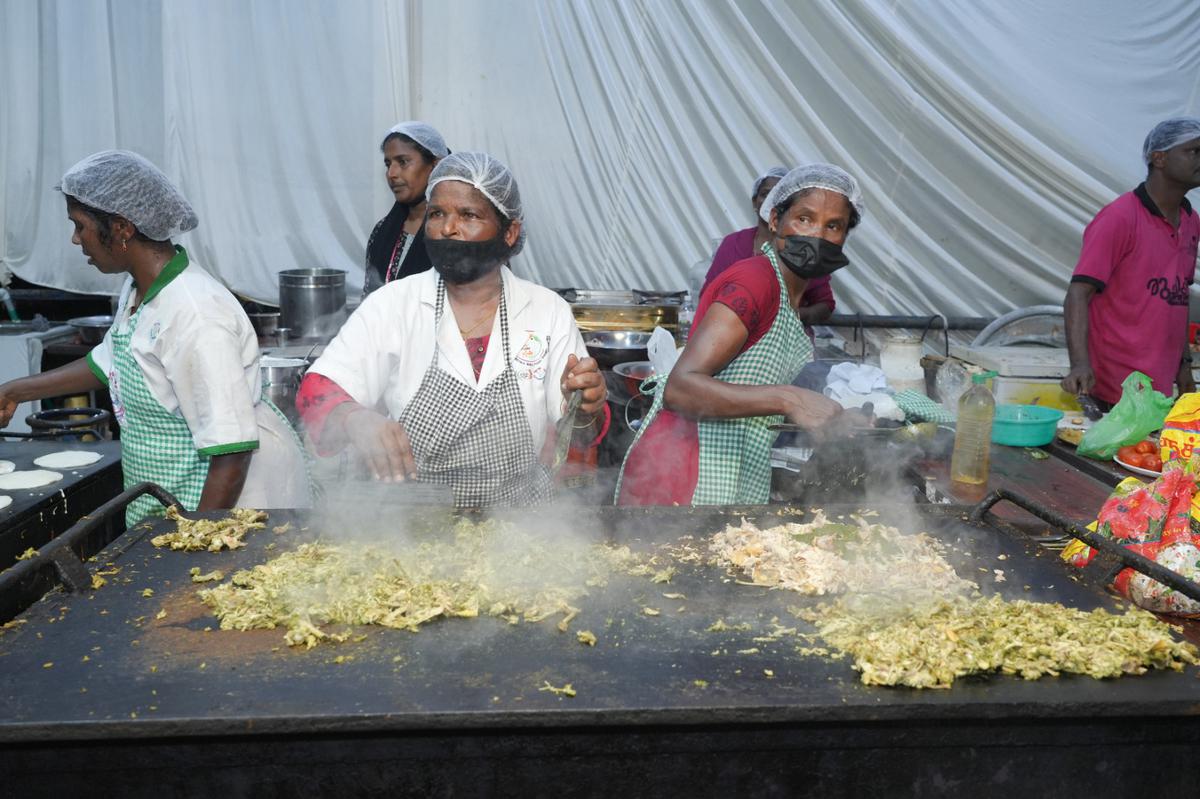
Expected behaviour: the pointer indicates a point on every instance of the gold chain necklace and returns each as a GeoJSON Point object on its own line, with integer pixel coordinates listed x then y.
{"type": "Point", "coordinates": [467, 333]}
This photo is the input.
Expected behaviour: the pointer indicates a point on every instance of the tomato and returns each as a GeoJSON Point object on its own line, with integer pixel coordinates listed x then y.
{"type": "Point", "coordinates": [1146, 447]}
{"type": "Point", "coordinates": [1127, 454]}
{"type": "Point", "coordinates": [1153, 463]}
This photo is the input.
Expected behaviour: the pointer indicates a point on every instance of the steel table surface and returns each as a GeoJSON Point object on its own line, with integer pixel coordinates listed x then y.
{"type": "Point", "coordinates": [1050, 482]}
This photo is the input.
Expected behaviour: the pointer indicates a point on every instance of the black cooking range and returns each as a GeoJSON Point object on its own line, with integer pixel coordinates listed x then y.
{"type": "Point", "coordinates": [134, 685]}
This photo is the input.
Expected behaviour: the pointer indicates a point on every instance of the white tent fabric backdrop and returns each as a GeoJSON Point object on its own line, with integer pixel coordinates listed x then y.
{"type": "Point", "coordinates": [985, 135]}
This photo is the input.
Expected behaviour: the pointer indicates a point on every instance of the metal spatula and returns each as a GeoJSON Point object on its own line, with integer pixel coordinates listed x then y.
{"type": "Point", "coordinates": [563, 430]}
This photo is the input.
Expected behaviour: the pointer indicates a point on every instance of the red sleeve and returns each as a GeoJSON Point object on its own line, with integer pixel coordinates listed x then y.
{"type": "Point", "coordinates": [316, 399]}
{"type": "Point", "coordinates": [750, 289]}
{"type": "Point", "coordinates": [1106, 241]}
{"type": "Point", "coordinates": [819, 290]}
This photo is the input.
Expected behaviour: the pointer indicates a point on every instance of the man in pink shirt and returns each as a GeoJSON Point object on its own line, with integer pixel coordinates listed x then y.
{"type": "Point", "coordinates": [1127, 306]}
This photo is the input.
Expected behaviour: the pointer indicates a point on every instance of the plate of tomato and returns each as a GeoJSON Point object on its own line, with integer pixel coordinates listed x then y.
{"type": "Point", "coordinates": [1141, 458]}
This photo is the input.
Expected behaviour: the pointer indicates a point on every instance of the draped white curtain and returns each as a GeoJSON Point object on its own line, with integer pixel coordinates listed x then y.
{"type": "Point", "coordinates": [985, 134]}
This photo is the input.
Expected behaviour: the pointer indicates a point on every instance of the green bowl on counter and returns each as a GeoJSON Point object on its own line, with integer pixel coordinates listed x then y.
{"type": "Point", "coordinates": [1025, 425]}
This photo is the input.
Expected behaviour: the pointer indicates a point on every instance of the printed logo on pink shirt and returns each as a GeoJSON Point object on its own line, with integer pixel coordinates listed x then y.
{"type": "Point", "coordinates": [1173, 295]}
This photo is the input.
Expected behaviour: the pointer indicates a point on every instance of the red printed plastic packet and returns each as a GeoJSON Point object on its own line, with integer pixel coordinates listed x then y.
{"type": "Point", "coordinates": [1157, 520]}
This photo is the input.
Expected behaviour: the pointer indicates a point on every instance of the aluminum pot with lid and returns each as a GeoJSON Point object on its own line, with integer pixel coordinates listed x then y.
{"type": "Point", "coordinates": [312, 302]}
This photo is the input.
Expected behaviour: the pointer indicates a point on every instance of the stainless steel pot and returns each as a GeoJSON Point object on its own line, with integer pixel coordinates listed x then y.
{"type": "Point", "coordinates": [265, 324]}
{"type": "Point", "coordinates": [312, 302]}
{"type": "Point", "coordinates": [281, 380]}
{"type": "Point", "coordinates": [610, 348]}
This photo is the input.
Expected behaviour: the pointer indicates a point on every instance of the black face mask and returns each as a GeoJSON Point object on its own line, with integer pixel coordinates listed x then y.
{"type": "Point", "coordinates": [460, 261]}
{"type": "Point", "coordinates": [810, 257]}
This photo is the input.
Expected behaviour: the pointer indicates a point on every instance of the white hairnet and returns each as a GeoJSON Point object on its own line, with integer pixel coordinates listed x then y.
{"type": "Point", "coordinates": [423, 134]}
{"type": "Point", "coordinates": [487, 174]}
{"type": "Point", "coordinates": [125, 183]}
{"type": "Point", "coordinates": [773, 172]}
{"type": "Point", "coordinates": [1170, 133]}
{"type": "Point", "coordinates": [814, 176]}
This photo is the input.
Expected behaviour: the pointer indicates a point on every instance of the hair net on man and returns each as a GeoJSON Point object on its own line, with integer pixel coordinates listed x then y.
{"type": "Point", "coordinates": [1170, 133]}
{"type": "Point", "coordinates": [423, 134]}
{"type": "Point", "coordinates": [773, 172]}
{"type": "Point", "coordinates": [125, 183]}
{"type": "Point", "coordinates": [490, 176]}
{"type": "Point", "coordinates": [813, 176]}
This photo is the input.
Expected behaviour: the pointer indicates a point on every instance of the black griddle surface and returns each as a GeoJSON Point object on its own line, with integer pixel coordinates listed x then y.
{"type": "Point", "coordinates": [102, 664]}
{"type": "Point", "coordinates": [23, 453]}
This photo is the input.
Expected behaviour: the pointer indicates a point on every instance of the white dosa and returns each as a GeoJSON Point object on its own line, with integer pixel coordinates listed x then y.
{"type": "Point", "coordinates": [7, 466]}
{"type": "Point", "coordinates": [5, 502]}
{"type": "Point", "coordinates": [67, 459]}
{"type": "Point", "coordinates": [36, 478]}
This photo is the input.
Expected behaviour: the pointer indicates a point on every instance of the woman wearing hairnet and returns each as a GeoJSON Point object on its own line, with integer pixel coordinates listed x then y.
{"type": "Point", "coordinates": [180, 360]}
{"type": "Point", "coordinates": [396, 247]}
{"type": "Point", "coordinates": [457, 376]}
{"type": "Point", "coordinates": [705, 440]}
{"type": "Point", "coordinates": [817, 304]}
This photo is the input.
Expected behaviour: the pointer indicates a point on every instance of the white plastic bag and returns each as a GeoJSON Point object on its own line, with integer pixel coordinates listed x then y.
{"type": "Point", "coordinates": [662, 352]}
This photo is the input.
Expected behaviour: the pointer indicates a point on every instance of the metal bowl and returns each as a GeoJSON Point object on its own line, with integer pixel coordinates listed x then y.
{"type": "Point", "coordinates": [91, 329]}
{"type": "Point", "coordinates": [610, 348]}
{"type": "Point", "coordinates": [634, 372]}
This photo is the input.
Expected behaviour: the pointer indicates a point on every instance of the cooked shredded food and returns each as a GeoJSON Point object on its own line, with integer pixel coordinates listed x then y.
{"type": "Point", "coordinates": [822, 557]}
{"type": "Point", "coordinates": [489, 567]}
{"type": "Point", "coordinates": [906, 618]}
{"type": "Point", "coordinates": [194, 535]}
{"type": "Point", "coordinates": [931, 646]}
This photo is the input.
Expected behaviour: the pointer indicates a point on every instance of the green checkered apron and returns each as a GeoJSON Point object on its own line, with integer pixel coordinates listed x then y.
{"type": "Point", "coordinates": [156, 445]}
{"type": "Point", "coordinates": [735, 454]}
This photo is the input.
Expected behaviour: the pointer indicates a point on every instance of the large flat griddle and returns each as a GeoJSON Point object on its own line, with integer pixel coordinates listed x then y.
{"type": "Point", "coordinates": [448, 702]}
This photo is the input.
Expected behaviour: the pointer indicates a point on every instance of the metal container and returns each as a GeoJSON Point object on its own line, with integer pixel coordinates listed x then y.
{"type": "Point", "coordinates": [312, 302]}
{"type": "Point", "coordinates": [611, 347]}
{"type": "Point", "coordinates": [596, 310]}
{"type": "Point", "coordinates": [265, 325]}
{"type": "Point", "coordinates": [91, 329]}
{"type": "Point", "coordinates": [281, 380]}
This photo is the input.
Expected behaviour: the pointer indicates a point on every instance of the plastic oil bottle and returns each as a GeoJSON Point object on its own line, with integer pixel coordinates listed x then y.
{"type": "Point", "coordinates": [973, 437]}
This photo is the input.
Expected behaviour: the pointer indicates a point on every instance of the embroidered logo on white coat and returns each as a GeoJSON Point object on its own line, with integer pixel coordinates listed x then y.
{"type": "Point", "coordinates": [154, 331]}
{"type": "Point", "coordinates": [531, 357]}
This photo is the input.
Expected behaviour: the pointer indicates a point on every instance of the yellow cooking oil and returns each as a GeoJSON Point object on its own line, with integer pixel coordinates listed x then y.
{"type": "Point", "coordinates": [973, 436]}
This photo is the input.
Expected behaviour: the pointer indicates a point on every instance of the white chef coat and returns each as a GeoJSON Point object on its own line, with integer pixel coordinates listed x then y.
{"type": "Point", "coordinates": [382, 351]}
{"type": "Point", "coordinates": [199, 356]}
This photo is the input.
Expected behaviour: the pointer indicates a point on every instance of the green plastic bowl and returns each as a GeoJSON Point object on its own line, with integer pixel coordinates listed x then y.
{"type": "Point", "coordinates": [1025, 425]}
